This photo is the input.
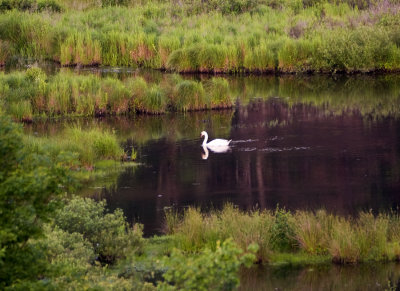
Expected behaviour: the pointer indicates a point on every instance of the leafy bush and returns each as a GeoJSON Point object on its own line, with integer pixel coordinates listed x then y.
{"type": "Point", "coordinates": [282, 231]}
{"type": "Point", "coordinates": [110, 235]}
{"type": "Point", "coordinates": [29, 186]}
{"type": "Point", "coordinates": [69, 254]}
{"type": "Point", "coordinates": [209, 270]}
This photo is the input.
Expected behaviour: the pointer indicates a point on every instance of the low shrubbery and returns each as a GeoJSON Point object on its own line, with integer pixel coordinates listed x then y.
{"type": "Point", "coordinates": [110, 236]}
{"type": "Point", "coordinates": [216, 270]}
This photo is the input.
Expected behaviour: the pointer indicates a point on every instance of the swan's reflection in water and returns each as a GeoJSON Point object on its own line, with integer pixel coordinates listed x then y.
{"type": "Point", "coordinates": [216, 149]}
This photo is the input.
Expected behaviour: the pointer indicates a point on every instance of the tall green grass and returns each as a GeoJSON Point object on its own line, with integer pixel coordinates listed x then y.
{"type": "Point", "coordinates": [216, 37]}
{"type": "Point", "coordinates": [344, 240]}
{"type": "Point", "coordinates": [5, 52]}
{"type": "Point", "coordinates": [85, 146]}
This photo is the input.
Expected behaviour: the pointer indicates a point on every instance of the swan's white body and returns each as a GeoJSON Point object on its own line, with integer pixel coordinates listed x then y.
{"type": "Point", "coordinates": [219, 142]}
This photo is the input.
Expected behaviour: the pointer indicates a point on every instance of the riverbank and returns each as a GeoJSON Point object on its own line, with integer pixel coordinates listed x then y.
{"type": "Point", "coordinates": [216, 37]}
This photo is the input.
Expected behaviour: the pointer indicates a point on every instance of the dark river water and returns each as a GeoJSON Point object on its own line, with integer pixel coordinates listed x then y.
{"type": "Point", "coordinates": [297, 142]}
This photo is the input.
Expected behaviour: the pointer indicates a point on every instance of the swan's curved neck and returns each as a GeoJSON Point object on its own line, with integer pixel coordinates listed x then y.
{"type": "Point", "coordinates": [205, 139]}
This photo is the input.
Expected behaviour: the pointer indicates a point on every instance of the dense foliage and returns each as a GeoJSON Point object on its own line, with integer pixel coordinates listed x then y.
{"type": "Point", "coordinates": [29, 186]}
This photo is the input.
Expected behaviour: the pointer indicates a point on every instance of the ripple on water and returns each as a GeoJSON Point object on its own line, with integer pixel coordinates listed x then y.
{"type": "Point", "coordinates": [272, 150]}
{"type": "Point", "coordinates": [243, 141]}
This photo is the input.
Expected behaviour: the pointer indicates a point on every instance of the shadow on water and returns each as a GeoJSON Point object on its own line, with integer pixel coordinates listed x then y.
{"type": "Point", "coordinates": [298, 141]}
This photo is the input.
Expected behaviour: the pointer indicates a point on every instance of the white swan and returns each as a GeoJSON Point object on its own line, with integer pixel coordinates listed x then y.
{"type": "Point", "coordinates": [219, 142]}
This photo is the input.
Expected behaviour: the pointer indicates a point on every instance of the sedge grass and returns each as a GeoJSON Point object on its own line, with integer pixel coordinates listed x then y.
{"type": "Point", "coordinates": [268, 37]}
{"type": "Point", "coordinates": [313, 234]}
{"type": "Point", "coordinates": [84, 146]}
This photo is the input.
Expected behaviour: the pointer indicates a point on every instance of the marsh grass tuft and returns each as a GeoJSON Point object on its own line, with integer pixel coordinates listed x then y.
{"type": "Point", "coordinates": [190, 95]}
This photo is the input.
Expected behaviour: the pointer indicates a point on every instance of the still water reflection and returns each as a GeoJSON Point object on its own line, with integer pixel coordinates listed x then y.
{"type": "Point", "coordinates": [329, 277]}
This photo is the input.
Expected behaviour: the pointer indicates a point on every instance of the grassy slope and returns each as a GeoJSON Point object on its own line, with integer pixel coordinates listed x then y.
{"type": "Point", "coordinates": [214, 36]}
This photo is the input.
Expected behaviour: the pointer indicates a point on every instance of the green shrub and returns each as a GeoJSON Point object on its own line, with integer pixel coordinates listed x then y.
{"type": "Point", "coordinates": [111, 237]}
{"type": "Point", "coordinates": [69, 254]}
{"type": "Point", "coordinates": [282, 231]}
{"type": "Point", "coordinates": [216, 270]}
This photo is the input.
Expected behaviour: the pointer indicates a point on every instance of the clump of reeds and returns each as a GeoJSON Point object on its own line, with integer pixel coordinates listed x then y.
{"type": "Point", "coordinates": [189, 95]}
{"type": "Point", "coordinates": [154, 101]}
{"type": "Point", "coordinates": [80, 49]}
{"type": "Point", "coordinates": [220, 97]}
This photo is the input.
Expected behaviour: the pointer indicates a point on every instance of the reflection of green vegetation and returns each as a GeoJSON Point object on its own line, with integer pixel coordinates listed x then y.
{"type": "Point", "coordinates": [375, 96]}
{"type": "Point", "coordinates": [342, 240]}
{"type": "Point", "coordinates": [177, 126]}
{"type": "Point", "coordinates": [323, 277]}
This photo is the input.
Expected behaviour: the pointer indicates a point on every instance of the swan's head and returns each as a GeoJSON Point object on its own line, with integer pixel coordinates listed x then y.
{"type": "Point", "coordinates": [203, 133]}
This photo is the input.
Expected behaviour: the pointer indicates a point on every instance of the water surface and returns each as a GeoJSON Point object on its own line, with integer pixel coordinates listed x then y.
{"type": "Point", "coordinates": [299, 142]}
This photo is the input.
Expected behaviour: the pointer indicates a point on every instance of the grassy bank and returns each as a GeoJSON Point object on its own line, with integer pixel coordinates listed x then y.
{"type": "Point", "coordinates": [33, 93]}
{"type": "Point", "coordinates": [216, 36]}
{"type": "Point", "coordinates": [295, 238]}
